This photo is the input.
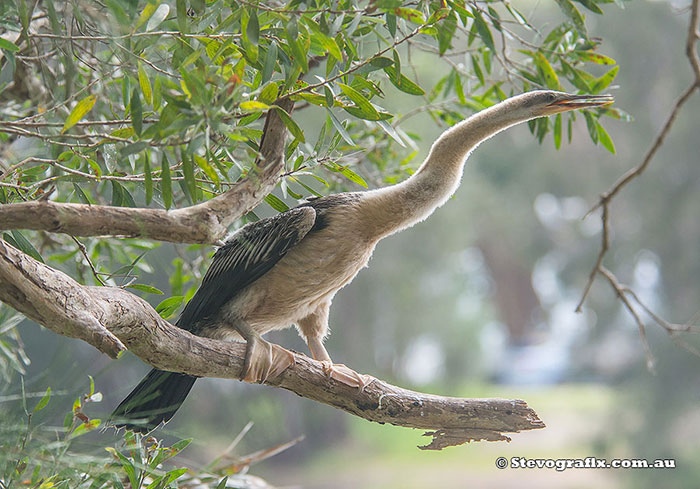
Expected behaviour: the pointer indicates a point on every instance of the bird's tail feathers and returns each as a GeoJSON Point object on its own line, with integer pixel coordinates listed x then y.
{"type": "Point", "coordinates": [153, 401]}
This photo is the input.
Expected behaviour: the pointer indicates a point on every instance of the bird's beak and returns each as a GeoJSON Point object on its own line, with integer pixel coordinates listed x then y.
{"type": "Point", "coordinates": [573, 102]}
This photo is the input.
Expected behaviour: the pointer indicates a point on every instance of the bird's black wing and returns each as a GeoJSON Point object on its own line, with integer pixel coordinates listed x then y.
{"type": "Point", "coordinates": [244, 258]}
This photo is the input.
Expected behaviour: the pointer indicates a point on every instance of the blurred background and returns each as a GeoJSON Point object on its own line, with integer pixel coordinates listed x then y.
{"type": "Point", "coordinates": [478, 301]}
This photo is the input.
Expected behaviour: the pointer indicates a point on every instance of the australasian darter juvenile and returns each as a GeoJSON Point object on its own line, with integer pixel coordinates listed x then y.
{"type": "Point", "coordinates": [286, 269]}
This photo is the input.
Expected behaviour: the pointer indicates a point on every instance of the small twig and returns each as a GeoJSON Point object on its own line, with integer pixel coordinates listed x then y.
{"type": "Point", "coordinates": [620, 291]}
{"type": "Point", "coordinates": [606, 198]}
{"type": "Point", "coordinates": [83, 250]}
{"type": "Point", "coordinates": [114, 122]}
{"type": "Point", "coordinates": [658, 142]}
{"type": "Point", "coordinates": [604, 246]}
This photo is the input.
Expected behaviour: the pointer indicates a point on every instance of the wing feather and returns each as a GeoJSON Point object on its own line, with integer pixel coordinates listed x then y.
{"type": "Point", "coordinates": [244, 258]}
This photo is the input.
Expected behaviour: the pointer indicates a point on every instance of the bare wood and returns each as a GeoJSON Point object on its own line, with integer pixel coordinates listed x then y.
{"type": "Point", "coordinates": [112, 319]}
{"type": "Point", "coordinates": [52, 299]}
{"type": "Point", "coordinates": [206, 222]}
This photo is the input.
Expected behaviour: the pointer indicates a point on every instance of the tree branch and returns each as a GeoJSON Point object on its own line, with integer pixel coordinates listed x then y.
{"type": "Point", "coordinates": [607, 197]}
{"type": "Point", "coordinates": [206, 222]}
{"type": "Point", "coordinates": [112, 319]}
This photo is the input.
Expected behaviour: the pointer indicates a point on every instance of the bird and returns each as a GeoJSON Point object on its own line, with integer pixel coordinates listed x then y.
{"type": "Point", "coordinates": [285, 270]}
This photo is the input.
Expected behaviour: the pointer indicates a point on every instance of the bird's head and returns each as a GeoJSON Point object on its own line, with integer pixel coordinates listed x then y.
{"type": "Point", "coordinates": [540, 103]}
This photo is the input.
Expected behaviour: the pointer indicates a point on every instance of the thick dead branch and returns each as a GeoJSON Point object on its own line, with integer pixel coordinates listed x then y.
{"type": "Point", "coordinates": [206, 222]}
{"type": "Point", "coordinates": [111, 319]}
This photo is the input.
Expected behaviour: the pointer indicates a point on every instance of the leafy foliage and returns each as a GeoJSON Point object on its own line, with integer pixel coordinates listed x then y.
{"type": "Point", "coordinates": [186, 85]}
{"type": "Point", "coordinates": [38, 456]}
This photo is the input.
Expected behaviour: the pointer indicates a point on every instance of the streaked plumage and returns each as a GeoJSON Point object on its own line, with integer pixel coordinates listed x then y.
{"type": "Point", "coordinates": [286, 269]}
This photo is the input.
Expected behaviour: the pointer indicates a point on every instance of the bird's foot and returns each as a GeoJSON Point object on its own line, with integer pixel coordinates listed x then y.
{"type": "Point", "coordinates": [346, 375]}
{"type": "Point", "coordinates": [265, 360]}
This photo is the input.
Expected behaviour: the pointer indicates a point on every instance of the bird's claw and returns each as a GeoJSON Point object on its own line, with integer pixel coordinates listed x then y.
{"type": "Point", "coordinates": [346, 375]}
{"type": "Point", "coordinates": [265, 361]}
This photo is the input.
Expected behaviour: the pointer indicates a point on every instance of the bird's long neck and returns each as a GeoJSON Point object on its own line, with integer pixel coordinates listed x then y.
{"type": "Point", "coordinates": [390, 209]}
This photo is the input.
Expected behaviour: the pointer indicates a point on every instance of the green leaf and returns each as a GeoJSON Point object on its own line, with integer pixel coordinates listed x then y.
{"type": "Point", "coordinates": [79, 111]}
{"type": "Point", "coordinates": [403, 83]}
{"type": "Point", "coordinates": [133, 148]}
{"type": "Point", "coordinates": [594, 57]}
{"type": "Point", "coordinates": [146, 14]}
{"type": "Point", "coordinates": [291, 125]}
{"type": "Point", "coordinates": [340, 128]}
{"type": "Point", "coordinates": [618, 114]}
{"type": "Point", "coordinates": [298, 53]}
{"type": "Point", "coordinates": [319, 36]}
{"type": "Point", "coordinates": [181, 6]}
{"type": "Point", "coordinates": [207, 168]}
{"type": "Point", "coordinates": [590, 5]}
{"type": "Point", "coordinates": [121, 196]}
{"type": "Point", "coordinates": [169, 307]}
{"type": "Point", "coordinates": [330, 97]}
{"type": "Point", "coordinates": [391, 131]}
{"type": "Point", "coordinates": [158, 16]}
{"type": "Point", "coordinates": [591, 124]}
{"type": "Point", "coordinates": [604, 81]}
{"type": "Point", "coordinates": [605, 138]}
{"type": "Point", "coordinates": [578, 78]}
{"type": "Point", "coordinates": [145, 288]}
{"type": "Point", "coordinates": [269, 93]}
{"type": "Point", "coordinates": [8, 46]}
{"type": "Point", "coordinates": [573, 13]}
{"type": "Point", "coordinates": [175, 474]}
{"type": "Point", "coordinates": [188, 172]}
{"type": "Point", "coordinates": [145, 84]}
{"type": "Point", "coordinates": [477, 69]}
{"type": "Point", "coordinates": [391, 24]}
{"type": "Point", "coordinates": [464, 14]}
{"type": "Point", "coordinates": [180, 445]}
{"type": "Point", "coordinates": [165, 183]}
{"type": "Point", "coordinates": [557, 131]}
{"type": "Point", "coordinates": [483, 30]}
{"type": "Point", "coordinates": [409, 14]}
{"type": "Point", "coordinates": [253, 28]}
{"type": "Point", "coordinates": [353, 177]}
{"type": "Point", "coordinates": [157, 93]}
{"type": "Point", "coordinates": [520, 18]}
{"type": "Point", "coordinates": [270, 62]}
{"type": "Point", "coordinates": [548, 74]}
{"type": "Point", "coordinates": [44, 401]}
{"type": "Point", "coordinates": [276, 203]}
{"type": "Point", "coordinates": [18, 240]}
{"type": "Point", "coordinates": [127, 466]}
{"type": "Point", "coordinates": [253, 105]}
{"type": "Point", "coordinates": [148, 177]}
{"type": "Point", "coordinates": [136, 112]}
{"type": "Point", "coordinates": [446, 32]}
{"type": "Point", "coordinates": [193, 56]}
{"type": "Point", "coordinates": [366, 109]}
{"type": "Point", "coordinates": [82, 196]}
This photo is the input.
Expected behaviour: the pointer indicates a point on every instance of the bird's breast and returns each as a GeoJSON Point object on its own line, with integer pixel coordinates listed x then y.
{"type": "Point", "coordinates": [308, 275]}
